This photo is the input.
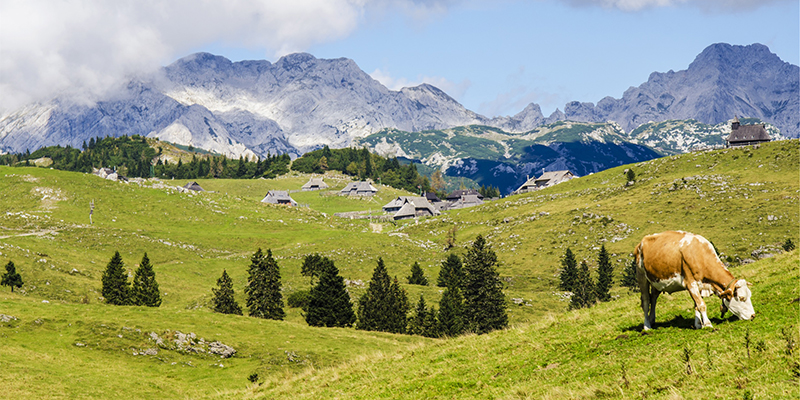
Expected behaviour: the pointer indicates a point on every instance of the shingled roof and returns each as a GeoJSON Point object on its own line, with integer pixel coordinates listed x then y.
{"type": "Point", "coordinates": [279, 197]}
{"type": "Point", "coordinates": [745, 135]}
{"type": "Point", "coordinates": [315, 184]}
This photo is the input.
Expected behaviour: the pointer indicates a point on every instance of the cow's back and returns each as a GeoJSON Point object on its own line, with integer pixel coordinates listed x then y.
{"type": "Point", "coordinates": [660, 255]}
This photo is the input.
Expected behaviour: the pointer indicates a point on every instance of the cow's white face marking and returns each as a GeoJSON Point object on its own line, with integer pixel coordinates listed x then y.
{"type": "Point", "coordinates": [740, 304]}
{"type": "Point", "coordinates": [671, 284]}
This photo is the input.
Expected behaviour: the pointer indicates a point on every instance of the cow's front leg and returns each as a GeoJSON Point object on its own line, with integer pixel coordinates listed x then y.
{"type": "Point", "coordinates": [700, 317]}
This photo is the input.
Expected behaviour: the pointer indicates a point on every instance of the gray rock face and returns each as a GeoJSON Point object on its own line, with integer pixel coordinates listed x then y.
{"type": "Point", "coordinates": [723, 81]}
{"type": "Point", "coordinates": [300, 103]}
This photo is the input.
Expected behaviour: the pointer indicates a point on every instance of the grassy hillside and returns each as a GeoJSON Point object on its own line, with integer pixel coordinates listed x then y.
{"type": "Point", "coordinates": [588, 354]}
{"type": "Point", "coordinates": [741, 199]}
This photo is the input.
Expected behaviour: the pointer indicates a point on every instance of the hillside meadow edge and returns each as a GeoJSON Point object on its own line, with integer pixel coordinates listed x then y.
{"type": "Point", "coordinates": [58, 339]}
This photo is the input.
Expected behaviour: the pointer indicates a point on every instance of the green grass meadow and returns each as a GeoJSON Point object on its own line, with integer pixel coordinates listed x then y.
{"type": "Point", "coordinates": [66, 343]}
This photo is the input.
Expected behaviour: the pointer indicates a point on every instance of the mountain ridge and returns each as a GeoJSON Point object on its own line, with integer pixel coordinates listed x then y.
{"type": "Point", "coordinates": [300, 103]}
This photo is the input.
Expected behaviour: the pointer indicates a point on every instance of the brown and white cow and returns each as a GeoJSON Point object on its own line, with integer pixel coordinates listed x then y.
{"type": "Point", "coordinates": [673, 261]}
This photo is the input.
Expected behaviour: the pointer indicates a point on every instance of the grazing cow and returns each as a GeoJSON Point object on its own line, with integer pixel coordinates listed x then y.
{"type": "Point", "coordinates": [674, 261]}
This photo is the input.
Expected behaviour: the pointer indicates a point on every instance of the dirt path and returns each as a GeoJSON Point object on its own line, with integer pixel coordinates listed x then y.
{"type": "Point", "coordinates": [37, 233]}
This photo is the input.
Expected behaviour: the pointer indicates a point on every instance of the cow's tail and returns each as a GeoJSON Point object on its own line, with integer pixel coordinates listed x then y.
{"type": "Point", "coordinates": [638, 256]}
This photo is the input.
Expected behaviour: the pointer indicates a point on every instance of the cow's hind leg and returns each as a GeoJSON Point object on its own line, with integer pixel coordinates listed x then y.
{"type": "Point", "coordinates": [644, 288]}
{"type": "Point", "coordinates": [653, 299]}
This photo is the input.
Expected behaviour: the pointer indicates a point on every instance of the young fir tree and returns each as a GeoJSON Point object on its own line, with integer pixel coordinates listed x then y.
{"type": "Point", "coordinates": [11, 277]}
{"type": "Point", "coordinates": [328, 302]}
{"type": "Point", "coordinates": [450, 319]}
{"type": "Point", "coordinates": [264, 299]}
{"type": "Point", "coordinates": [629, 276]}
{"type": "Point", "coordinates": [312, 266]}
{"type": "Point", "coordinates": [256, 288]}
{"type": "Point", "coordinates": [145, 288]}
{"type": "Point", "coordinates": [423, 322]}
{"type": "Point", "coordinates": [451, 272]}
{"type": "Point", "coordinates": [605, 276]}
{"type": "Point", "coordinates": [417, 276]}
{"type": "Point", "coordinates": [569, 273]}
{"type": "Point", "coordinates": [116, 289]}
{"type": "Point", "coordinates": [583, 295]}
{"type": "Point", "coordinates": [484, 301]}
{"type": "Point", "coordinates": [273, 303]}
{"type": "Point", "coordinates": [383, 307]}
{"type": "Point", "coordinates": [223, 300]}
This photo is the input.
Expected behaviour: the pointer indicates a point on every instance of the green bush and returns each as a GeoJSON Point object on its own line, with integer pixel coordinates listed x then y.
{"type": "Point", "coordinates": [298, 299]}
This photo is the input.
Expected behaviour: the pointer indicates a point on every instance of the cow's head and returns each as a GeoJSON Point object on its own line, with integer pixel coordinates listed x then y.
{"type": "Point", "coordinates": [737, 299]}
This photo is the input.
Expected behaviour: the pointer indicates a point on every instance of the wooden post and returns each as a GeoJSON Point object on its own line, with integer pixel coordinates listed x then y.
{"type": "Point", "coordinates": [91, 211]}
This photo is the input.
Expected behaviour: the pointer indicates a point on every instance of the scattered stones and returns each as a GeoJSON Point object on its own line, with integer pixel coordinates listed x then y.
{"type": "Point", "coordinates": [223, 350]}
{"type": "Point", "coordinates": [79, 344]}
{"type": "Point", "coordinates": [7, 318]}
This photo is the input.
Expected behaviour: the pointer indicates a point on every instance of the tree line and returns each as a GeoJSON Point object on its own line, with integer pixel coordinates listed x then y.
{"type": "Point", "coordinates": [134, 157]}
{"type": "Point", "coordinates": [363, 164]}
{"type": "Point", "coordinates": [472, 300]}
{"type": "Point", "coordinates": [586, 291]}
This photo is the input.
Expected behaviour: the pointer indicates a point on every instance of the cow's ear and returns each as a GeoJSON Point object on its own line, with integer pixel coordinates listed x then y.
{"type": "Point", "coordinates": [727, 294]}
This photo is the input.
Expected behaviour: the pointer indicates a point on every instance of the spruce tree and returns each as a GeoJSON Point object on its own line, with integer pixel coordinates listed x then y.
{"type": "Point", "coordinates": [264, 299]}
{"type": "Point", "coordinates": [416, 324]}
{"type": "Point", "coordinates": [417, 276]}
{"type": "Point", "coordinates": [450, 319]}
{"type": "Point", "coordinates": [629, 276]}
{"type": "Point", "coordinates": [312, 266]}
{"type": "Point", "coordinates": [328, 302]}
{"type": "Point", "coordinates": [451, 272]}
{"type": "Point", "coordinates": [569, 272]}
{"type": "Point", "coordinates": [11, 277]}
{"type": "Point", "coordinates": [116, 289]}
{"type": "Point", "coordinates": [398, 301]}
{"type": "Point", "coordinates": [273, 302]}
{"type": "Point", "coordinates": [605, 276]}
{"type": "Point", "coordinates": [484, 301]}
{"type": "Point", "coordinates": [223, 300]}
{"type": "Point", "coordinates": [423, 322]}
{"type": "Point", "coordinates": [383, 307]}
{"type": "Point", "coordinates": [583, 296]}
{"type": "Point", "coordinates": [145, 288]}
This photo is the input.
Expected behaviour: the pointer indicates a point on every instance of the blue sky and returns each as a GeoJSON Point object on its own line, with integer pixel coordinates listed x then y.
{"type": "Point", "coordinates": [494, 57]}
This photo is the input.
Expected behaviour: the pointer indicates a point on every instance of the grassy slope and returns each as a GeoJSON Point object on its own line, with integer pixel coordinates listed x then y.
{"type": "Point", "coordinates": [581, 354]}
{"type": "Point", "coordinates": [191, 238]}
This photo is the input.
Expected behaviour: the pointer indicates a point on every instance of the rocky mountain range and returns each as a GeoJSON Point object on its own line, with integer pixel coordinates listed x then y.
{"type": "Point", "coordinates": [301, 103]}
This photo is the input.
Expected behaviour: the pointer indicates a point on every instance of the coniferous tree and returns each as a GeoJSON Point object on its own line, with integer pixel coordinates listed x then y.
{"type": "Point", "coordinates": [629, 276]}
{"type": "Point", "coordinates": [11, 277]}
{"type": "Point", "coordinates": [416, 324]}
{"type": "Point", "coordinates": [264, 299]}
{"type": "Point", "coordinates": [398, 301]}
{"type": "Point", "coordinates": [450, 319]}
{"type": "Point", "coordinates": [328, 302]}
{"type": "Point", "coordinates": [583, 295]}
{"type": "Point", "coordinates": [417, 276]}
{"type": "Point", "coordinates": [145, 288]}
{"type": "Point", "coordinates": [383, 307]}
{"type": "Point", "coordinates": [312, 266]}
{"type": "Point", "coordinates": [569, 273]}
{"type": "Point", "coordinates": [451, 272]}
{"type": "Point", "coordinates": [256, 285]}
{"type": "Point", "coordinates": [116, 289]}
{"type": "Point", "coordinates": [223, 300]}
{"type": "Point", "coordinates": [273, 303]}
{"type": "Point", "coordinates": [605, 276]}
{"type": "Point", "coordinates": [484, 301]}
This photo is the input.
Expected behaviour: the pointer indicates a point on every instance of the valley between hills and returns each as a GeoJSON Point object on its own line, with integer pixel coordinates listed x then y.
{"type": "Point", "coordinates": [59, 340]}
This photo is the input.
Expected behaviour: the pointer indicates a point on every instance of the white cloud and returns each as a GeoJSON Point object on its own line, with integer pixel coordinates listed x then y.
{"type": "Point", "coordinates": [52, 47]}
{"type": "Point", "coordinates": [455, 90]}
